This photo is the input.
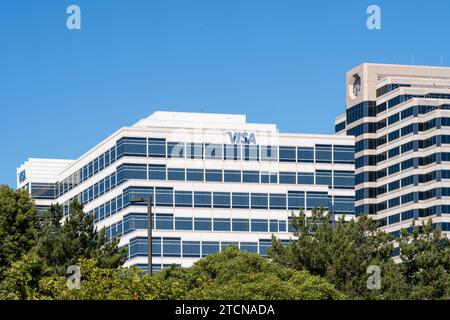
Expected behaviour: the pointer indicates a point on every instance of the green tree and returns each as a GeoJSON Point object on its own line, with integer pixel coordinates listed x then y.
{"type": "Point", "coordinates": [62, 243]}
{"type": "Point", "coordinates": [425, 256]}
{"type": "Point", "coordinates": [338, 251]}
{"type": "Point", "coordinates": [17, 226]}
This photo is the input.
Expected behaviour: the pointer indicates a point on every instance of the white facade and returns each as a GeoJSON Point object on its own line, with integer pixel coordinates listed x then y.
{"type": "Point", "coordinates": [199, 169]}
{"type": "Point", "coordinates": [400, 117]}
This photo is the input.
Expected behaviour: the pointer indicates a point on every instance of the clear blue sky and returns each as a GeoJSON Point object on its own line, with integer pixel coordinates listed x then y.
{"type": "Point", "coordinates": [61, 91]}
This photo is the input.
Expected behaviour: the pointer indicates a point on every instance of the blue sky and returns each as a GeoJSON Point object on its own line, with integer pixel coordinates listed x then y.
{"type": "Point", "coordinates": [283, 62]}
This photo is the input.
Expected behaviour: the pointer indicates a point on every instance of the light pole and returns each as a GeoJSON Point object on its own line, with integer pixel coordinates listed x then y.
{"type": "Point", "coordinates": [149, 228]}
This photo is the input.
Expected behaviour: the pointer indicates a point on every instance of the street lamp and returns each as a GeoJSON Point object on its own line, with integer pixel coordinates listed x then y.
{"type": "Point", "coordinates": [149, 228]}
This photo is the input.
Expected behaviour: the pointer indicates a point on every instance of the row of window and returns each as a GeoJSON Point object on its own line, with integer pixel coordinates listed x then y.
{"type": "Point", "coordinates": [176, 247]}
{"type": "Point", "coordinates": [138, 221]}
{"type": "Point", "coordinates": [167, 197]}
{"type": "Point", "coordinates": [414, 197]}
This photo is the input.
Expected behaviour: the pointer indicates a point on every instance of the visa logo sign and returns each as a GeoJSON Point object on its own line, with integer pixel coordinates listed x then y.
{"type": "Point", "coordinates": [242, 137]}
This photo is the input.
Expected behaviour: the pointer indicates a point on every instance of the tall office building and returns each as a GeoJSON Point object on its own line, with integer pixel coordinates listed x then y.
{"type": "Point", "coordinates": [215, 180]}
{"type": "Point", "coordinates": [400, 116]}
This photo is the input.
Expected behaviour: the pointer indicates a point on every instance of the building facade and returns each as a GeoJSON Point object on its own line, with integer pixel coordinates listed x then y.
{"type": "Point", "coordinates": [400, 117]}
{"type": "Point", "coordinates": [215, 180]}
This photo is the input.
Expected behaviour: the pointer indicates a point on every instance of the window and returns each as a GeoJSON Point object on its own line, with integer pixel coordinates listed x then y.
{"type": "Point", "coordinates": [164, 222]}
{"type": "Point", "coordinates": [241, 225]}
{"type": "Point", "coordinates": [183, 223]}
{"type": "Point", "coordinates": [157, 148]}
{"type": "Point", "coordinates": [221, 224]}
{"type": "Point", "coordinates": [288, 154]}
{"type": "Point", "coordinates": [175, 149]}
{"type": "Point", "coordinates": [324, 177]}
{"type": "Point", "coordinates": [251, 153]}
{"type": "Point", "coordinates": [240, 200]}
{"type": "Point", "coordinates": [259, 225]}
{"type": "Point", "coordinates": [195, 175]}
{"type": "Point", "coordinates": [214, 175]}
{"type": "Point", "coordinates": [221, 199]}
{"type": "Point", "coordinates": [213, 151]}
{"type": "Point", "coordinates": [288, 177]}
{"type": "Point", "coordinates": [183, 199]}
{"type": "Point", "coordinates": [305, 154]}
{"type": "Point", "coordinates": [157, 172]}
{"type": "Point", "coordinates": [269, 177]}
{"type": "Point", "coordinates": [191, 249]}
{"type": "Point", "coordinates": [232, 176]}
{"type": "Point", "coordinates": [317, 199]}
{"type": "Point", "coordinates": [202, 224]}
{"type": "Point", "coordinates": [164, 197]}
{"type": "Point", "coordinates": [194, 150]}
{"type": "Point", "coordinates": [249, 247]}
{"type": "Point", "coordinates": [131, 171]}
{"type": "Point", "coordinates": [232, 152]}
{"type": "Point", "coordinates": [202, 199]}
{"type": "Point", "coordinates": [176, 174]}
{"type": "Point", "coordinates": [277, 201]}
{"type": "Point", "coordinates": [263, 246]}
{"type": "Point", "coordinates": [344, 179]}
{"type": "Point", "coordinates": [209, 247]}
{"type": "Point", "coordinates": [344, 154]}
{"type": "Point", "coordinates": [251, 176]}
{"type": "Point", "coordinates": [269, 153]}
{"type": "Point", "coordinates": [171, 247]}
{"type": "Point", "coordinates": [296, 200]}
{"type": "Point", "coordinates": [130, 147]}
{"type": "Point", "coordinates": [305, 178]}
{"type": "Point", "coordinates": [323, 154]}
{"type": "Point", "coordinates": [259, 200]}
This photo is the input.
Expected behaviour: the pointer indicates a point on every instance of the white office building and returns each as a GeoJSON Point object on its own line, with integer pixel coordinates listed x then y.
{"type": "Point", "coordinates": [214, 179]}
{"type": "Point", "coordinates": [400, 117]}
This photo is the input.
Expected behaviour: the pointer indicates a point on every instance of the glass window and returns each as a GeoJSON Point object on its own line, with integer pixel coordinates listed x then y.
{"type": "Point", "coordinates": [305, 154]}
{"type": "Point", "coordinates": [251, 153]}
{"type": "Point", "coordinates": [194, 150]}
{"type": "Point", "coordinates": [249, 247]}
{"type": "Point", "coordinates": [250, 176]}
{"type": "Point", "coordinates": [305, 178]}
{"type": "Point", "coordinates": [273, 225]}
{"type": "Point", "coordinates": [202, 199]}
{"type": "Point", "coordinates": [164, 197]}
{"type": "Point", "coordinates": [232, 152]}
{"type": "Point", "coordinates": [323, 154]}
{"type": "Point", "coordinates": [232, 176]}
{"type": "Point", "coordinates": [263, 246]}
{"type": "Point", "coordinates": [213, 151]}
{"type": "Point", "coordinates": [240, 200]}
{"type": "Point", "coordinates": [344, 179]}
{"type": "Point", "coordinates": [157, 148]}
{"type": "Point", "coordinates": [269, 177]}
{"type": "Point", "coordinates": [191, 249]}
{"type": "Point", "coordinates": [241, 225]}
{"type": "Point", "coordinates": [317, 199]}
{"type": "Point", "coordinates": [296, 200]}
{"type": "Point", "coordinates": [221, 224]}
{"type": "Point", "coordinates": [195, 175]}
{"type": "Point", "coordinates": [171, 247]}
{"type": "Point", "coordinates": [221, 199]}
{"type": "Point", "coordinates": [182, 223]}
{"type": "Point", "coordinates": [288, 177]}
{"type": "Point", "coordinates": [287, 154]}
{"type": "Point", "coordinates": [324, 177]}
{"type": "Point", "coordinates": [259, 225]}
{"type": "Point", "coordinates": [259, 200]}
{"type": "Point", "coordinates": [176, 174]}
{"type": "Point", "coordinates": [175, 149]}
{"type": "Point", "coordinates": [209, 247]}
{"type": "Point", "coordinates": [164, 222]}
{"type": "Point", "coordinates": [214, 175]}
{"type": "Point", "coordinates": [157, 172]}
{"type": "Point", "coordinates": [277, 201]}
{"type": "Point", "coordinates": [183, 199]}
{"type": "Point", "coordinates": [202, 224]}
{"type": "Point", "coordinates": [344, 154]}
{"type": "Point", "coordinates": [269, 153]}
